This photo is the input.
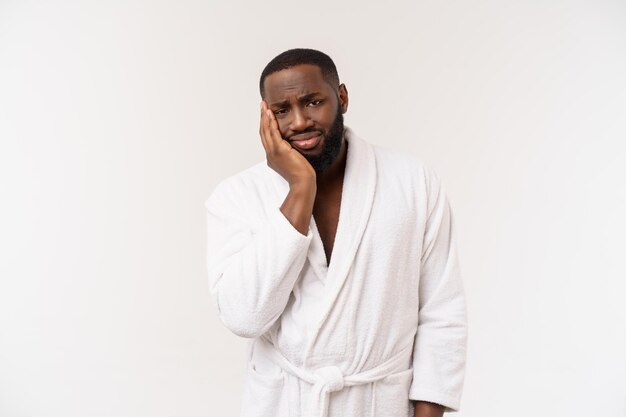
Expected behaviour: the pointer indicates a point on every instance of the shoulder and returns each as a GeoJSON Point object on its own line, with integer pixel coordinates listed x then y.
{"type": "Point", "coordinates": [409, 173]}
{"type": "Point", "coordinates": [403, 168]}
{"type": "Point", "coordinates": [395, 158]}
{"type": "Point", "coordinates": [242, 186]}
{"type": "Point", "coordinates": [402, 163]}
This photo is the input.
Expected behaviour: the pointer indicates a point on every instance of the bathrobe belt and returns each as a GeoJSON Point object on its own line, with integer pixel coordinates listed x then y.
{"type": "Point", "coordinates": [329, 379]}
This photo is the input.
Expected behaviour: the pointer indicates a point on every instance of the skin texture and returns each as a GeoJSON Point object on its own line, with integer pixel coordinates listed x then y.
{"type": "Point", "coordinates": [296, 101]}
{"type": "Point", "coordinates": [427, 409]}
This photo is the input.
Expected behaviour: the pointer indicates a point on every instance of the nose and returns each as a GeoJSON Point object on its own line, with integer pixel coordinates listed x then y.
{"type": "Point", "coordinates": [299, 121]}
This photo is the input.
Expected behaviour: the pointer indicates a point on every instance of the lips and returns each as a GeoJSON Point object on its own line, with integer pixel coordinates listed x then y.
{"type": "Point", "coordinates": [307, 140]}
{"type": "Point", "coordinates": [304, 136]}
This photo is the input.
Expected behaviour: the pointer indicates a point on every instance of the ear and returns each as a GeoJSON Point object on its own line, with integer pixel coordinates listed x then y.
{"type": "Point", "coordinates": [343, 97]}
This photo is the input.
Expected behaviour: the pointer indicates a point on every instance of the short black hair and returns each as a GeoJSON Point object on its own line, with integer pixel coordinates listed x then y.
{"type": "Point", "coordinates": [298, 56]}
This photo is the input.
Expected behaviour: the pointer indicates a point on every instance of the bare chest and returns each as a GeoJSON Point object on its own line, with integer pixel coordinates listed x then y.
{"type": "Point", "coordinates": [326, 214]}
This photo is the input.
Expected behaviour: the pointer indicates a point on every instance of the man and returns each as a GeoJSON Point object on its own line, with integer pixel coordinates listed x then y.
{"type": "Point", "coordinates": [338, 259]}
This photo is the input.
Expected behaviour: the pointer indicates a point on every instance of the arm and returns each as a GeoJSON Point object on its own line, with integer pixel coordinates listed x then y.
{"type": "Point", "coordinates": [254, 261]}
{"type": "Point", "coordinates": [426, 409]}
{"type": "Point", "coordinates": [440, 343]}
{"type": "Point", "coordinates": [291, 165]}
{"type": "Point", "coordinates": [298, 205]}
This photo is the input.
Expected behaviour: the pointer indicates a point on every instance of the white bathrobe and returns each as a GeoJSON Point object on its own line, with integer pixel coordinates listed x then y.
{"type": "Point", "coordinates": [383, 324]}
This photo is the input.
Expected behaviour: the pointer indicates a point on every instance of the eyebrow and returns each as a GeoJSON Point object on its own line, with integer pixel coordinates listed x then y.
{"type": "Point", "coordinates": [301, 98]}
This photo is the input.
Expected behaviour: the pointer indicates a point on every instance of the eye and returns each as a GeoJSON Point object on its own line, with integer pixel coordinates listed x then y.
{"type": "Point", "coordinates": [280, 111]}
{"type": "Point", "coordinates": [315, 102]}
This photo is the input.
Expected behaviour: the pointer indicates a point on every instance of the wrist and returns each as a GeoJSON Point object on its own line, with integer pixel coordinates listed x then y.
{"type": "Point", "coordinates": [305, 185]}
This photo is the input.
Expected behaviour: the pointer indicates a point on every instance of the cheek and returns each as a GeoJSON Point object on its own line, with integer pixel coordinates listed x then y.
{"type": "Point", "coordinates": [282, 126]}
{"type": "Point", "coordinates": [327, 119]}
{"type": "Point", "coordinates": [327, 114]}
{"type": "Point", "coordinates": [321, 117]}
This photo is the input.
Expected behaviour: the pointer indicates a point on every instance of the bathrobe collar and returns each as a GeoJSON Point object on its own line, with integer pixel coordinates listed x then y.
{"type": "Point", "coordinates": [357, 197]}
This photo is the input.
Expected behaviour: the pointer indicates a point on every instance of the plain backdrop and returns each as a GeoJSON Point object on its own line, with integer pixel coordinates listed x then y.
{"type": "Point", "coordinates": [117, 119]}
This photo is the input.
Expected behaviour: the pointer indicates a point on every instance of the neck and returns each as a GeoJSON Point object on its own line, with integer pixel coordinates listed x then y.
{"type": "Point", "coordinates": [333, 176]}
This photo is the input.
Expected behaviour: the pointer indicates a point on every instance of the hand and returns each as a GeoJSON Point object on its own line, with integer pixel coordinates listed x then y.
{"type": "Point", "coordinates": [281, 156]}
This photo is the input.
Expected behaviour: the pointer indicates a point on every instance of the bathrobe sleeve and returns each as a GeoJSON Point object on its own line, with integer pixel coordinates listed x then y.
{"type": "Point", "coordinates": [440, 343]}
{"type": "Point", "coordinates": [254, 257]}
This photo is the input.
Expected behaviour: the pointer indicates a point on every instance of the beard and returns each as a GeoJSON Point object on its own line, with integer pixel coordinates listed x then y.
{"type": "Point", "coordinates": [332, 146]}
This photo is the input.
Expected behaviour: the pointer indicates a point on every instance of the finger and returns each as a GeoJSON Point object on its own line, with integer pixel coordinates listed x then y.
{"type": "Point", "coordinates": [261, 133]}
{"type": "Point", "coordinates": [277, 135]}
{"type": "Point", "coordinates": [277, 138]}
{"type": "Point", "coordinates": [263, 129]}
{"type": "Point", "coordinates": [271, 143]}
{"type": "Point", "coordinates": [272, 140]}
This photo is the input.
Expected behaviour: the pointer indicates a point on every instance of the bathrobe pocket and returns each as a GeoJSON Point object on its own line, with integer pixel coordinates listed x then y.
{"type": "Point", "coordinates": [263, 393]}
{"type": "Point", "coordinates": [391, 395]}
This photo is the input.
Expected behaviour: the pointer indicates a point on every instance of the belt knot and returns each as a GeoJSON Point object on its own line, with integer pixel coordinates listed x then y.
{"type": "Point", "coordinates": [330, 378]}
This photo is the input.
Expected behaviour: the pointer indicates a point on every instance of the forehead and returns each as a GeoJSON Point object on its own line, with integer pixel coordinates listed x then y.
{"type": "Point", "coordinates": [298, 80]}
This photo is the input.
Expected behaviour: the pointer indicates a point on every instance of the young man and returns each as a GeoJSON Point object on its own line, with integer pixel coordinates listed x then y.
{"type": "Point", "coordinates": [338, 259]}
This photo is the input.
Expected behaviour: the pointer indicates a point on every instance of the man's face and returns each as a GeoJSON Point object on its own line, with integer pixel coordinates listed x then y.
{"type": "Point", "coordinates": [309, 112]}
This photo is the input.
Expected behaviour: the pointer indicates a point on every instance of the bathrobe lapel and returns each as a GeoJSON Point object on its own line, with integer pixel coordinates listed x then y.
{"type": "Point", "coordinates": [357, 198]}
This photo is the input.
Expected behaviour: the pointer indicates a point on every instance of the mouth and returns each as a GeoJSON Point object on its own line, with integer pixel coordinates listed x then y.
{"type": "Point", "coordinates": [306, 141]}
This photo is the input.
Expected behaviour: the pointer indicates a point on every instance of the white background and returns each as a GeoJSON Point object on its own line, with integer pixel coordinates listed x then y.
{"type": "Point", "coordinates": [117, 119]}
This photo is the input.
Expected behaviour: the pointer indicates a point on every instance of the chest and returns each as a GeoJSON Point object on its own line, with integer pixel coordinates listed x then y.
{"type": "Point", "coordinates": [326, 214]}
